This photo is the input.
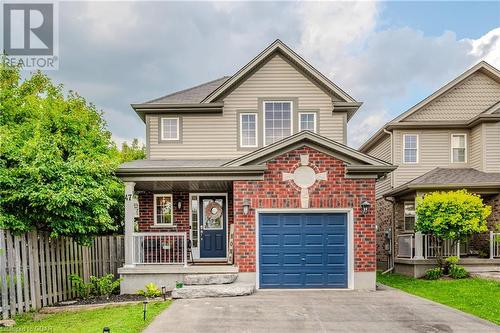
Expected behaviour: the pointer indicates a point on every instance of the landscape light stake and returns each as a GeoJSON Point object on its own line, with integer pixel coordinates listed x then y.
{"type": "Point", "coordinates": [145, 309]}
{"type": "Point", "coordinates": [164, 292]}
{"type": "Point", "coordinates": [106, 330]}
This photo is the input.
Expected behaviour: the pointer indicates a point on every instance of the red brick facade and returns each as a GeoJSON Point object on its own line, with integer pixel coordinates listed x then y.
{"type": "Point", "coordinates": [336, 192]}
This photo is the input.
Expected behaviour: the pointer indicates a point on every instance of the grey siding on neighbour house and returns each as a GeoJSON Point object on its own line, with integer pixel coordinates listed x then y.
{"type": "Point", "coordinates": [468, 99]}
{"type": "Point", "coordinates": [434, 151]}
{"type": "Point", "coordinates": [215, 135]}
{"type": "Point", "coordinates": [382, 151]}
{"type": "Point", "coordinates": [476, 149]}
{"type": "Point", "coordinates": [491, 147]}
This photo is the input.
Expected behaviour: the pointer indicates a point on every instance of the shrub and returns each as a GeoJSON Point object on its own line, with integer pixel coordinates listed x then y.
{"type": "Point", "coordinates": [151, 290]}
{"type": "Point", "coordinates": [82, 289]}
{"type": "Point", "coordinates": [458, 272]}
{"type": "Point", "coordinates": [452, 260]}
{"type": "Point", "coordinates": [434, 273]}
{"type": "Point", "coordinates": [453, 215]}
{"type": "Point", "coordinates": [104, 286]}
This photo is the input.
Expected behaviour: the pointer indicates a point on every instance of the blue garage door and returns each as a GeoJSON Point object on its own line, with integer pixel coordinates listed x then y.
{"type": "Point", "coordinates": [303, 250]}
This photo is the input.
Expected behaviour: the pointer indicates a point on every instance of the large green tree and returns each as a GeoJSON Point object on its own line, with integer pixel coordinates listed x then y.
{"type": "Point", "coordinates": [57, 160]}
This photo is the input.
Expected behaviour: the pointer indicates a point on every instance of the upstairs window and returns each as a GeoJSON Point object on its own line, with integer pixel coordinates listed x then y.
{"type": "Point", "coordinates": [307, 121]}
{"type": "Point", "coordinates": [170, 129]}
{"type": "Point", "coordinates": [410, 148]}
{"type": "Point", "coordinates": [277, 121]}
{"type": "Point", "coordinates": [458, 148]}
{"type": "Point", "coordinates": [248, 130]}
{"type": "Point", "coordinates": [409, 223]}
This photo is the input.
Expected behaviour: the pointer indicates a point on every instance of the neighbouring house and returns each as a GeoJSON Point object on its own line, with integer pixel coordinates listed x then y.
{"type": "Point", "coordinates": [251, 174]}
{"type": "Point", "coordinates": [448, 141]}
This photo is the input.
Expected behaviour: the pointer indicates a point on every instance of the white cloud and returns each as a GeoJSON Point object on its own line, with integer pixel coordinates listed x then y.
{"type": "Point", "coordinates": [487, 47]}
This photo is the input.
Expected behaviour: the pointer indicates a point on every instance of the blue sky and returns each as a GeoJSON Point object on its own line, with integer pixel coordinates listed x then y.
{"type": "Point", "coordinates": [388, 55]}
{"type": "Point", "coordinates": [465, 19]}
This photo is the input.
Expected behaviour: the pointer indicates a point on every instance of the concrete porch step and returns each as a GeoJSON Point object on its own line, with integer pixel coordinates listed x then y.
{"type": "Point", "coordinates": [214, 290]}
{"type": "Point", "coordinates": [207, 279]}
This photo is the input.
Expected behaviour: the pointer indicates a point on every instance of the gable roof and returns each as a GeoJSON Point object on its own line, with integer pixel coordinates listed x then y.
{"type": "Point", "coordinates": [399, 121]}
{"type": "Point", "coordinates": [356, 162]}
{"type": "Point", "coordinates": [450, 178]}
{"type": "Point", "coordinates": [279, 47]}
{"type": "Point", "coordinates": [190, 95]}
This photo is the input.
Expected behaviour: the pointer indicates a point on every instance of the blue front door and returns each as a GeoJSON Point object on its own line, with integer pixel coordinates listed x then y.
{"type": "Point", "coordinates": [213, 227]}
{"type": "Point", "coordinates": [299, 250]}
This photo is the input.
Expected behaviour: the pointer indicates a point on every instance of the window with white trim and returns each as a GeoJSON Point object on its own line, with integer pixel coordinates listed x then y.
{"type": "Point", "coordinates": [194, 220]}
{"type": "Point", "coordinates": [307, 121]}
{"type": "Point", "coordinates": [277, 121]}
{"type": "Point", "coordinates": [163, 209]}
{"type": "Point", "coordinates": [248, 130]}
{"type": "Point", "coordinates": [170, 129]}
{"type": "Point", "coordinates": [458, 148]}
{"type": "Point", "coordinates": [410, 148]}
{"type": "Point", "coordinates": [409, 222]}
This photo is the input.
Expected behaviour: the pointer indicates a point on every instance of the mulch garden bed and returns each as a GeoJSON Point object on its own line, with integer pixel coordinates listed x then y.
{"type": "Point", "coordinates": [98, 302]}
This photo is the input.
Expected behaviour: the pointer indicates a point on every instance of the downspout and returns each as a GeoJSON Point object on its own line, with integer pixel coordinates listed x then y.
{"type": "Point", "coordinates": [393, 202]}
{"type": "Point", "coordinates": [393, 234]}
{"type": "Point", "coordinates": [392, 155]}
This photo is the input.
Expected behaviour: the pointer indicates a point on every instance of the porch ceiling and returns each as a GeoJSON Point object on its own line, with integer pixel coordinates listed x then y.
{"type": "Point", "coordinates": [184, 186]}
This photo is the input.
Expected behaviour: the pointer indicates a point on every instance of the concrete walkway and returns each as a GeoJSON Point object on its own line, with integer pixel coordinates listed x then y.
{"type": "Point", "coordinates": [387, 310]}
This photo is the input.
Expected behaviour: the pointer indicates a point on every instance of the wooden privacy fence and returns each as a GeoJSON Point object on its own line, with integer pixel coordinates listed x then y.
{"type": "Point", "coordinates": [34, 268]}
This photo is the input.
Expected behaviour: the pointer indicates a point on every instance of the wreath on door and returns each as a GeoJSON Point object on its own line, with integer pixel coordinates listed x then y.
{"type": "Point", "coordinates": [213, 211]}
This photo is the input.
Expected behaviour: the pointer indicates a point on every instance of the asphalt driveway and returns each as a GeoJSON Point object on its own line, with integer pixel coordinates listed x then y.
{"type": "Point", "coordinates": [385, 311]}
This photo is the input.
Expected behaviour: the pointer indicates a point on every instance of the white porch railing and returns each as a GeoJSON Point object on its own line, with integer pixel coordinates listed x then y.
{"type": "Point", "coordinates": [166, 248]}
{"type": "Point", "coordinates": [406, 244]}
{"type": "Point", "coordinates": [430, 245]}
{"type": "Point", "coordinates": [494, 244]}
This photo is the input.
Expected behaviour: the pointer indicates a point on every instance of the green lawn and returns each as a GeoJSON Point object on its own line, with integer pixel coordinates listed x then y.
{"type": "Point", "coordinates": [126, 318]}
{"type": "Point", "coordinates": [476, 296]}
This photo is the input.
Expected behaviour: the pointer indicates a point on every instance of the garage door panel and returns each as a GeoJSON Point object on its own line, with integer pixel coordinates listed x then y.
{"type": "Point", "coordinates": [303, 250]}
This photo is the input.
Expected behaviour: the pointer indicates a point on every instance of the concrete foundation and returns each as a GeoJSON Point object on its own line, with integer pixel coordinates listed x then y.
{"type": "Point", "coordinates": [417, 268]}
{"type": "Point", "coordinates": [135, 278]}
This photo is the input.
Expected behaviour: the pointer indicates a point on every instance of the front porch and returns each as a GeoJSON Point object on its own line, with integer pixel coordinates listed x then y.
{"type": "Point", "coordinates": [416, 253]}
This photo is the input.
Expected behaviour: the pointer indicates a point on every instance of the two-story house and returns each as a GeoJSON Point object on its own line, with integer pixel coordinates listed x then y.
{"type": "Point", "coordinates": [250, 175]}
{"type": "Point", "coordinates": [450, 140]}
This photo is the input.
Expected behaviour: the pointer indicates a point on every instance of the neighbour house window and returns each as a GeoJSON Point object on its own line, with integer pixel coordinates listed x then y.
{"type": "Point", "coordinates": [163, 209]}
{"type": "Point", "coordinates": [409, 223]}
{"type": "Point", "coordinates": [458, 148]}
{"type": "Point", "coordinates": [170, 129]}
{"type": "Point", "coordinates": [410, 148]}
{"type": "Point", "coordinates": [248, 130]}
{"type": "Point", "coordinates": [277, 121]}
{"type": "Point", "coordinates": [307, 121]}
{"type": "Point", "coordinates": [194, 220]}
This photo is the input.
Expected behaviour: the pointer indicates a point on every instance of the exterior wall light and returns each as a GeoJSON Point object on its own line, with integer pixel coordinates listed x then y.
{"type": "Point", "coordinates": [246, 206]}
{"type": "Point", "coordinates": [179, 205]}
{"type": "Point", "coordinates": [365, 205]}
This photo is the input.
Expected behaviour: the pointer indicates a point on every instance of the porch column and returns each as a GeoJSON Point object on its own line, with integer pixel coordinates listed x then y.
{"type": "Point", "coordinates": [129, 224]}
{"type": "Point", "coordinates": [419, 245]}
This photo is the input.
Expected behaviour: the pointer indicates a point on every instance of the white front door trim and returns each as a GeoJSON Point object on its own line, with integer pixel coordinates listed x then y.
{"type": "Point", "coordinates": [350, 236]}
{"type": "Point", "coordinates": [196, 251]}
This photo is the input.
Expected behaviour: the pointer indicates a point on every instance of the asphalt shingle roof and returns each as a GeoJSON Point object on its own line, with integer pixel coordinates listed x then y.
{"type": "Point", "coordinates": [191, 95]}
{"type": "Point", "coordinates": [456, 176]}
{"type": "Point", "coordinates": [449, 178]}
{"type": "Point", "coordinates": [172, 163]}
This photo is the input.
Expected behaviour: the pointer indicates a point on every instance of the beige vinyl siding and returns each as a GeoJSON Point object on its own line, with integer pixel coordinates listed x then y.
{"type": "Point", "coordinates": [215, 135]}
{"type": "Point", "coordinates": [382, 150]}
{"type": "Point", "coordinates": [471, 97]}
{"type": "Point", "coordinates": [491, 147]}
{"type": "Point", "coordinates": [434, 149]}
{"type": "Point", "coordinates": [476, 147]}
{"type": "Point", "coordinates": [276, 79]}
